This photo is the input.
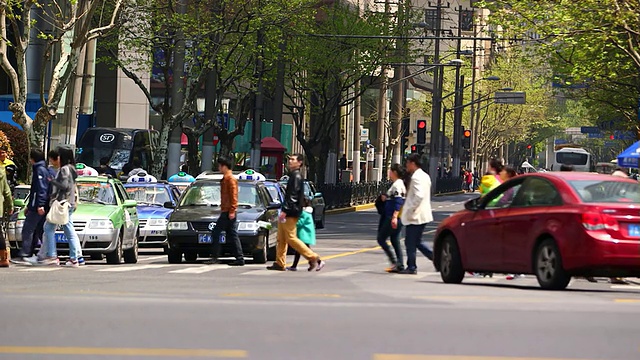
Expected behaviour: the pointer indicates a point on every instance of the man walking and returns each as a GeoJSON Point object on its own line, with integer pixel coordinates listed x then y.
{"type": "Point", "coordinates": [292, 207]}
{"type": "Point", "coordinates": [416, 213]}
{"type": "Point", "coordinates": [227, 219]}
{"type": "Point", "coordinates": [38, 201]}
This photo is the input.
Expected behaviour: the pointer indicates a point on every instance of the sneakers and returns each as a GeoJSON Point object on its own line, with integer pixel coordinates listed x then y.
{"type": "Point", "coordinates": [291, 268]}
{"type": "Point", "coordinates": [72, 264]}
{"type": "Point", "coordinates": [316, 265]}
{"type": "Point", "coordinates": [237, 262]}
{"type": "Point", "coordinates": [52, 261]}
{"type": "Point", "coordinates": [81, 261]}
{"type": "Point", "coordinates": [25, 260]}
{"type": "Point", "coordinates": [212, 262]}
{"type": "Point", "coordinates": [409, 272]}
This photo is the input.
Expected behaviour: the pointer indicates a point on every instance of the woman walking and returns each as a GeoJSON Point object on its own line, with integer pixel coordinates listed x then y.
{"type": "Point", "coordinates": [391, 224]}
{"type": "Point", "coordinates": [63, 189]}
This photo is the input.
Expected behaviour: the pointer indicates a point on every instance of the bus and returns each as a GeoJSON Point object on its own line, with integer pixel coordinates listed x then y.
{"type": "Point", "coordinates": [577, 157]}
{"type": "Point", "coordinates": [119, 145]}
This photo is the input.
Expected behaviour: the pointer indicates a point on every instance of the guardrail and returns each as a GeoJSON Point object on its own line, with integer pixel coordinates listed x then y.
{"type": "Point", "coordinates": [343, 195]}
{"type": "Point", "coordinates": [448, 185]}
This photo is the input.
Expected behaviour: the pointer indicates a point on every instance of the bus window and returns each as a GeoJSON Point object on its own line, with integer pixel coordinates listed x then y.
{"type": "Point", "coordinates": [119, 146]}
{"type": "Point", "coordinates": [142, 148]}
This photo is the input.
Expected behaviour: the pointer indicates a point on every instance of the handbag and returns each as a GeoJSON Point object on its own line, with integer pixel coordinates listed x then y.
{"type": "Point", "coordinates": [59, 212]}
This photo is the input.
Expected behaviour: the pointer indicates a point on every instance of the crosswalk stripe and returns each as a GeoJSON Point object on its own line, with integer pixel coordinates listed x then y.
{"type": "Point", "coordinates": [132, 268]}
{"type": "Point", "coordinates": [337, 273]}
{"type": "Point", "coordinates": [199, 269]}
{"type": "Point", "coordinates": [628, 287]}
{"type": "Point", "coordinates": [420, 275]}
{"type": "Point", "coordinates": [262, 272]}
{"type": "Point", "coordinates": [41, 269]}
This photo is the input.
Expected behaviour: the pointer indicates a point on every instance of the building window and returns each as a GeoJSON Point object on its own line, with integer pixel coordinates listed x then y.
{"type": "Point", "coordinates": [431, 18]}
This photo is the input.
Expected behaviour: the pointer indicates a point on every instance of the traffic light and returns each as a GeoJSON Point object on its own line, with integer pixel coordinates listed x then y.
{"type": "Point", "coordinates": [466, 139]}
{"type": "Point", "coordinates": [421, 132]}
{"type": "Point", "coordinates": [529, 146]}
{"type": "Point", "coordinates": [612, 137]}
{"type": "Point", "coordinates": [404, 136]}
{"type": "Point", "coordinates": [466, 155]}
{"type": "Point", "coordinates": [414, 148]}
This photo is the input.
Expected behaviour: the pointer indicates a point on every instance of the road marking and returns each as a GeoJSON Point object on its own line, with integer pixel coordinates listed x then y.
{"type": "Point", "coordinates": [414, 277]}
{"type": "Point", "coordinates": [337, 273]}
{"type": "Point", "coordinates": [199, 269]}
{"type": "Point", "coordinates": [455, 357]}
{"type": "Point", "coordinates": [628, 301]}
{"type": "Point", "coordinates": [628, 287]}
{"type": "Point", "coordinates": [481, 298]}
{"type": "Point", "coordinates": [264, 272]}
{"type": "Point", "coordinates": [282, 295]}
{"type": "Point", "coordinates": [182, 353]}
{"type": "Point", "coordinates": [153, 258]}
{"type": "Point", "coordinates": [132, 268]}
{"type": "Point", "coordinates": [41, 269]}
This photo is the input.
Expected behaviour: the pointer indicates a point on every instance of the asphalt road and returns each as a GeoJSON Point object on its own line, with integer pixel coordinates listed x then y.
{"type": "Point", "coordinates": [350, 310]}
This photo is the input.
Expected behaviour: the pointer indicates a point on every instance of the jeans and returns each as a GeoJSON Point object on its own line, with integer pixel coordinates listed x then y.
{"type": "Point", "coordinates": [229, 227]}
{"type": "Point", "coordinates": [387, 231]}
{"type": "Point", "coordinates": [49, 241]}
{"type": "Point", "coordinates": [413, 241]}
{"type": "Point", "coordinates": [29, 229]}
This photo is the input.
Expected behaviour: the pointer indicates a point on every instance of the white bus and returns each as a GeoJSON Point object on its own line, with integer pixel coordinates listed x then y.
{"type": "Point", "coordinates": [580, 159]}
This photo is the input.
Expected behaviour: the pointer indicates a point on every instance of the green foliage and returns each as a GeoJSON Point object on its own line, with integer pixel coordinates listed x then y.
{"type": "Point", "coordinates": [18, 144]}
{"type": "Point", "coordinates": [592, 42]}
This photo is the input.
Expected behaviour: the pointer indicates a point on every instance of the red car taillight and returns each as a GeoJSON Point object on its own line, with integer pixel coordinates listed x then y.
{"type": "Point", "coordinates": [594, 221]}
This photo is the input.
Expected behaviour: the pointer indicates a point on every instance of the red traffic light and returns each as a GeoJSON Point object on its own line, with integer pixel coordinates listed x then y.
{"type": "Point", "coordinates": [414, 148]}
{"type": "Point", "coordinates": [612, 137]}
{"type": "Point", "coordinates": [529, 146]}
{"type": "Point", "coordinates": [422, 124]}
{"type": "Point", "coordinates": [467, 133]}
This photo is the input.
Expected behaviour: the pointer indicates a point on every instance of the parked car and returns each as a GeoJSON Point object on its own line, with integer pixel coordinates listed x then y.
{"type": "Point", "coordinates": [105, 220]}
{"type": "Point", "coordinates": [152, 215]}
{"type": "Point", "coordinates": [554, 224]}
{"type": "Point", "coordinates": [276, 190]}
{"type": "Point", "coordinates": [190, 225]}
{"type": "Point", "coordinates": [316, 198]}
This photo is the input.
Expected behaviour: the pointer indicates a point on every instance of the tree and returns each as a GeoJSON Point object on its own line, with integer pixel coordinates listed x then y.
{"type": "Point", "coordinates": [66, 26]}
{"type": "Point", "coordinates": [325, 66]}
{"type": "Point", "coordinates": [593, 46]}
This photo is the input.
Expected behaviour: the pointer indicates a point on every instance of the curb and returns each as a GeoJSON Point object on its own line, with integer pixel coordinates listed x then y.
{"type": "Point", "coordinates": [449, 193]}
{"type": "Point", "coordinates": [350, 209]}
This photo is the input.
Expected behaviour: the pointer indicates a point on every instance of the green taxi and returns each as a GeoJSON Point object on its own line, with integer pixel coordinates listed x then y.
{"type": "Point", "coordinates": [106, 222]}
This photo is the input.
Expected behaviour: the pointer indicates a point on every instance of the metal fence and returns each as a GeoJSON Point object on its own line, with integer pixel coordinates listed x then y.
{"type": "Point", "coordinates": [448, 185]}
{"type": "Point", "coordinates": [343, 195]}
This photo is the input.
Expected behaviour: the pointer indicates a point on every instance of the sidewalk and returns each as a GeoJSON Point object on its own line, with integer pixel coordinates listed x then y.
{"type": "Point", "coordinates": [372, 205]}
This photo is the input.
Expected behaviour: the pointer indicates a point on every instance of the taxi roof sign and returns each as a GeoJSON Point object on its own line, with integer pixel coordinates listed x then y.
{"type": "Point", "coordinates": [251, 175]}
{"type": "Point", "coordinates": [142, 177]}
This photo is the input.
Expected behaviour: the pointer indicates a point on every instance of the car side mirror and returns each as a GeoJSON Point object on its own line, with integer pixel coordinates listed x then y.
{"type": "Point", "coordinates": [472, 205]}
{"type": "Point", "coordinates": [274, 206]}
{"type": "Point", "coordinates": [317, 195]}
{"type": "Point", "coordinates": [169, 205]}
{"type": "Point", "coordinates": [130, 203]}
{"type": "Point", "coordinates": [19, 203]}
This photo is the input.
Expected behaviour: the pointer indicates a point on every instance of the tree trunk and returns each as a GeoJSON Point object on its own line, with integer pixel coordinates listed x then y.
{"type": "Point", "coordinates": [160, 158]}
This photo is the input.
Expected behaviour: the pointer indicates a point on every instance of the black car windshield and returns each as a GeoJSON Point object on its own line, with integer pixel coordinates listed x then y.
{"type": "Point", "coordinates": [208, 194]}
{"type": "Point", "coordinates": [152, 195]}
{"type": "Point", "coordinates": [96, 192]}
{"type": "Point", "coordinates": [607, 191]}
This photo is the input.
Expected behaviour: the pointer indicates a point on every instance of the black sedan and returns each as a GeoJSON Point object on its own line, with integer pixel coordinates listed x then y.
{"type": "Point", "coordinates": [190, 225]}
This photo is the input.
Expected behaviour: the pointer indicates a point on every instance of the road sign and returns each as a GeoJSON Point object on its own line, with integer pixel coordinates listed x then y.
{"type": "Point", "coordinates": [510, 97]}
{"type": "Point", "coordinates": [560, 142]}
{"type": "Point", "coordinates": [364, 135]}
{"type": "Point", "coordinates": [589, 129]}
{"type": "Point", "coordinates": [598, 135]}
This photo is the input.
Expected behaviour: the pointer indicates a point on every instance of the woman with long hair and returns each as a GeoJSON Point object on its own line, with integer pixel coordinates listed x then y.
{"type": "Point", "coordinates": [63, 188]}
{"type": "Point", "coordinates": [391, 225]}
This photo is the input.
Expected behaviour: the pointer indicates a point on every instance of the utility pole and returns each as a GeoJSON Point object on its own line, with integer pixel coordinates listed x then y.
{"type": "Point", "coordinates": [258, 110]}
{"type": "Point", "coordinates": [210, 114]}
{"type": "Point", "coordinates": [474, 61]}
{"type": "Point", "coordinates": [457, 113]}
{"type": "Point", "coordinates": [177, 96]}
{"type": "Point", "coordinates": [399, 90]}
{"type": "Point", "coordinates": [436, 109]}
{"type": "Point", "coordinates": [356, 136]}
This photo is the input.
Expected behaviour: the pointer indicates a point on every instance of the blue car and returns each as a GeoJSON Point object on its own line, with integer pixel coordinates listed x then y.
{"type": "Point", "coordinates": [152, 213]}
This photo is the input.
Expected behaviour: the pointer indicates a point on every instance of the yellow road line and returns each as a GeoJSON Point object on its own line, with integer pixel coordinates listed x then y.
{"type": "Point", "coordinates": [481, 298]}
{"type": "Point", "coordinates": [282, 295]}
{"type": "Point", "coordinates": [97, 351]}
{"type": "Point", "coordinates": [455, 357]}
{"type": "Point", "coordinates": [627, 300]}
{"type": "Point", "coordinates": [349, 253]}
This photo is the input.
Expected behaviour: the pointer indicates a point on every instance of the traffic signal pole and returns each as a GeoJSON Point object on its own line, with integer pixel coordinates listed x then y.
{"type": "Point", "coordinates": [436, 109]}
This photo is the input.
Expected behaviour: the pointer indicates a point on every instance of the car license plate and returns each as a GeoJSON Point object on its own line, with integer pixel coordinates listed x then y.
{"type": "Point", "coordinates": [61, 238]}
{"type": "Point", "coordinates": [634, 230]}
{"type": "Point", "coordinates": [157, 232]}
{"type": "Point", "coordinates": [204, 238]}
{"type": "Point", "coordinates": [223, 239]}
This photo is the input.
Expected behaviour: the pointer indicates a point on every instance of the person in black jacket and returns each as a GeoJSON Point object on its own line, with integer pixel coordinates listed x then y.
{"type": "Point", "coordinates": [292, 207]}
{"type": "Point", "coordinates": [36, 208]}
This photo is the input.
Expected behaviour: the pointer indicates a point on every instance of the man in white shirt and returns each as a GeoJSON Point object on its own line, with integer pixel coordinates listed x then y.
{"type": "Point", "coordinates": [416, 213]}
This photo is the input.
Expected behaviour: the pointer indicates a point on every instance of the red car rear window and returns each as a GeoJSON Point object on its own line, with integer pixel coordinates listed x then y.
{"type": "Point", "coordinates": [608, 191]}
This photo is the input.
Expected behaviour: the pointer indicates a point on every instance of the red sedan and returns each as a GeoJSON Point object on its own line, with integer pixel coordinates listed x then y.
{"type": "Point", "coordinates": [554, 225]}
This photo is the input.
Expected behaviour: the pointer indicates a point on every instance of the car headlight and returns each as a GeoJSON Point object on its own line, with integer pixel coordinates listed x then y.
{"type": "Point", "coordinates": [12, 225]}
{"type": "Point", "coordinates": [157, 222]}
{"type": "Point", "coordinates": [177, 225]}
{"type": "Point", "coordinates": [248, 226]}
{"type": "Point", "coordinates": [100, 224]}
